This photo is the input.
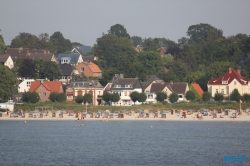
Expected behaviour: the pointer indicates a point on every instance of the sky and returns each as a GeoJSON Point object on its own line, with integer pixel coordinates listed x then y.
{"type": "Point", "coordinates": [84, 21]}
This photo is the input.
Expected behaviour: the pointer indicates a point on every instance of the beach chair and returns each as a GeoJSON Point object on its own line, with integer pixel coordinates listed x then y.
{"type": "Point", "coordinates": [226, 112]}
{"type": "Point", "coordinates": [1, 114]}
{"type": "Point", "coordinates": [147, 115]}
{"type": "Point", "coordinates": [41, 115]}
{"type": "Point", "coordinates": [163, 115]}
{"type": "Point", "coordinates": [31, 115]}
{"type": "Point", "coordinates": [60, 115]}
{"type": "Point", "coordinates": [111, 115]}
{"type": "Point", "coordinates": [53, 115]}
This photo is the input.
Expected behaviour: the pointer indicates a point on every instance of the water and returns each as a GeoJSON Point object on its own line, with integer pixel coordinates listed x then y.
{"type": "Point", "coordinates": [122, 143]}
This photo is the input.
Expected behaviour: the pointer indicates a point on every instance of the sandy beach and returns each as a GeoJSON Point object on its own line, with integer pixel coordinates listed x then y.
{"type": "Point", "coordinates": [244, 117]}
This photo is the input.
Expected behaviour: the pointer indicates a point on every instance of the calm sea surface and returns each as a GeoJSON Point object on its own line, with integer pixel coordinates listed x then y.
{"type": "Point", "coordinates": [122, 143]}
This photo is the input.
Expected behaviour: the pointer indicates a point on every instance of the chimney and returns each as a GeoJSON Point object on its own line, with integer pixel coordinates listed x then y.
{"type": "Point", "coordinates": [230, 70]}
{"type": "Point", "coordinates": [238, 72]}
{"type": "Point", "coordinates": [171, 82]}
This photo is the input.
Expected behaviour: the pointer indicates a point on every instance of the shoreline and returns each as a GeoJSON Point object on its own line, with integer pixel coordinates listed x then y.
{"type": "Point", "coordinates": [169, 118]}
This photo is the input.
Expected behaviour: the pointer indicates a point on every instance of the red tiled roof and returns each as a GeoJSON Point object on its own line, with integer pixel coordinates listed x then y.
{"type": "Point", "coordinates": [198, 89]}
{"type": "Point", "coordinates": [53, 86]}
{"type": "Point", "coordinates": [228, 77]}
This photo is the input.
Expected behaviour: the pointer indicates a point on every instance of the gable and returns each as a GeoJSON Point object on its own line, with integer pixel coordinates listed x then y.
{"type": "Point", "coordinates": [198, 89]}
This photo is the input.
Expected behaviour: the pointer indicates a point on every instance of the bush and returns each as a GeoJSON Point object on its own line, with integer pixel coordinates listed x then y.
{"type": "Point", "coordinates": [59, 97]}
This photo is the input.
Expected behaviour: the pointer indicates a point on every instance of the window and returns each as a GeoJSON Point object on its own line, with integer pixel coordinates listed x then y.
{"type": "Point", "coordinates": [28, 84]}
{"type": "Point", "coordinates": [222, 91]}
{"type": "Point", "coordinates": [216, 91]}
{"type": "Point", "coordinates": [127, 86]}
{"type": "Point", "coordinates": [44, 93]}
{"type": "Point", "coordinates": [234, 82]}
{"type": "Point", "coordinates": [125, 93]}
{"type": "Point", "coordinates": [82, 69]}
{"type": "Point", "coordinates": [118, 86]}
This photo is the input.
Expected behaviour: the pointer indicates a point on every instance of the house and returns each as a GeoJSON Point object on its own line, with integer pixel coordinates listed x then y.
{"type": "Point", "coordinates": [72, 59]}
{"type": "Point", "coordinates": [45, 88]}
{"type": "Point", "coordinates": [162, 50]}
{"type": "Point", "coordinates": [124, 87]}
{"type": "Point", "coordinates": [81, 88]}
{"type": "Point", "coordinates": [178, 87]}
{"type": "Point", "coordinates": [16, 53]}
{"type": "Point", "coordinates": [67, 71]}
{"type": "Point", "coordinates": [198, 89]}
{"type": "Point", "coordinates": [7, 61]}
{"type": "Point", "coordinates": [138, 48]}
{"type": "Point", "coordinates": [39, 51]}
{"type": "Point", "coordinates": [24, 85]}
{"type": "Point", "coordinates": [43, 56]}
{"type": "Point", "coordinates": [228, 82]}
{"type": "Point", "coordinates": [89, 69]}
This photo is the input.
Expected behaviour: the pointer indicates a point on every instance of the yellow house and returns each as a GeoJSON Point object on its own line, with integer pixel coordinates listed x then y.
{"type": "Point", "coordinates": [228, 82]}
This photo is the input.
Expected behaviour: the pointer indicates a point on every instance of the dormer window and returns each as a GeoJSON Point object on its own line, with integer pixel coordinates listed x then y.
{"type": "Point", "coordinates": [118, 86]}
{"type": "Point", "coordinates": [224, 82]}
{"type": "Point", "coordinates": [127, 86]}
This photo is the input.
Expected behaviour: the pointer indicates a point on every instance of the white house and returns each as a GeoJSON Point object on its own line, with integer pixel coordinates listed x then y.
{"type": "Point", "coordinates": [24, 86]}
{"type": "Point", "coordinates": [7, 61]}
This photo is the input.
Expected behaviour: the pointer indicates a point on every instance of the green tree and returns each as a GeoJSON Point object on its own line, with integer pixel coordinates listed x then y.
{"type": "Point", "coordinates": [88, 98]}
{"type": "Point", "coordinates": [115, 97]}
{"type": "Point", "coordinates": [150, 45]}
{"type": "Point", "coordinates": [136, 40]}
{"type": "Point", "coordinates": [2, 44]}
{"type": "Point", "coordinates": [134, 96]}
{"type": "Point", "coordinates": [50, 70]}
{"type": "Point", "coordinates": [25, 40]}
{"type": "Point", "coordinates": [107, 97]}
{"type": "Point", "coordinates": [246, 97]}
{"type": "Point", "coordinates": [206, 96]}
{"type": "Point", "coordinates": [8, 83]}
{"type": "Point", "coordinates": [235, 95]}
{"type": "Point", "coordinates": [27, 69]}
{"type": "Point", "coordinates": [142, 97]}
{"type": "Point", "coordinates": [59, 97]}
{"type": "Point", "coordinates": [190, 95]}
{"type": "Point", "coordinates": [173, 97]}
{"type": "Point", "coordinates": [59, 43]}
{"type": "Point", "coordinates": [161, 96]}
{"type": "Point", "coordinates": [218, 97]}
{"type": "Point", "coordinates": [31, 97]}
{"type": "Point", "coordinates": [79, 99]}
{"type": "Point", "coordinates": [119, 31]}
{"type": "Point", "coordinates": [53, 96]}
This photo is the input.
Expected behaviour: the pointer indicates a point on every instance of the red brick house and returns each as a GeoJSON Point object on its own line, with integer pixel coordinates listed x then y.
{"type": "Point", "coordinates": [44, 89]}
{"type": "Point", "coordinates": [89, 69]}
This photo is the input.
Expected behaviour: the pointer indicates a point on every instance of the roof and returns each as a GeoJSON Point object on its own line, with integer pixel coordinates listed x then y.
{"type": "Point", "coordinates": [16, 53]}
{"type": "Point", "coordinates": [40, 51]}
{"type": "Point", "coordinates": [53, 86]}
{"type": "Point", "coordinates": [4, 58]}
{"type": "Point", "coordinates": [228, 77]}
{"type": "Point", "coordinates": [94, 68]}
{"type": "Point", "coordinates": [198, 89]}
{"type": "Point", "coordinates": [133, 82]}
{"type": "Point", "coordinates": [85, 84]}
{"type": "Point", "coordinates": [177, 87]}
{"type": "Point", "coordinates": [74, 57]}
{"type": "Point", "coordinates": [88, 58]}
{"type": "Point", "coordinates": [67, 69]}
{"type": "Point", "coordinates": [43, 56]}
{"type": "Point", "coordinates": [83, 50]}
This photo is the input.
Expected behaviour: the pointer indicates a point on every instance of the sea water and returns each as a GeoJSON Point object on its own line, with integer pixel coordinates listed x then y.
{"type": "Point", "coordinates": [123, 143]}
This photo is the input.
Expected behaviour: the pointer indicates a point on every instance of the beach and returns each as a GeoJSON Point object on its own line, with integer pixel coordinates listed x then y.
{"type": "Point", "coordinates": [244, 117]}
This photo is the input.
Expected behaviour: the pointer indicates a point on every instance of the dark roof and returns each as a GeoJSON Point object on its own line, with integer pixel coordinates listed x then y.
{"type": "Point", "coordinates": [177, 87]}
{"type": "Point", "coordinates": [67, 69]}
{"type": "Point", "coordinates": [133, 82]}
{"type": "Point", "coordinates": [46, 57]}
{"type": "Point", "coordinates": [41, 51]}
{"type": "Point", "coordinates": [74, 57]}
{"type": "Point", "coordinates": [88, 58]}
{"type": "Point", "coordinates": [16, 53]}
{"type": "Point", "coordinates": [3, 58]}
{"type": "Point", "coordinates": [83, 50]}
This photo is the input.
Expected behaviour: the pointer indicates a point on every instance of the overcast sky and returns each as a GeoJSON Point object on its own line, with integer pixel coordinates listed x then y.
{"type": "Point", "coordinates": [84, 21]}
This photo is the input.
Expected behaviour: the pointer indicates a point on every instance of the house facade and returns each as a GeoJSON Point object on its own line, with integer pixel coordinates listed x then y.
{"type": "Point", "coordinates": [81, 88]}
{"type": "Point", "coordinates": [228, 82]}
{"type": "Point", "coordinates": [7, 61]}
{"type": "Point", "coordinates": [72, 59]}
{"type": "Point", "coordinates": [24, 85]}
{"type": "Point", "coordinates": [89, 69]}
{"type": "Point", "coordinates": [67, 71]}
{"type": "Point", "coordinates": [45, 88]}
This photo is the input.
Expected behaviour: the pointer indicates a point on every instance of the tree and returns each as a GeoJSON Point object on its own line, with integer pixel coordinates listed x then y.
{"type": "Point", "coordinates": [218, 97]}
{"type": "Point", "coordinates": [79, 99]}
{"type": "Point", "coordinates": [206, 96]}
{"type": "Point", "coordinates": [142, 97]}
{"type": "Point", "coordinates": [25, 40]}
{"type": "Point", "coordinates": [190, 95]}
{"type": "Point", "coordinates": [173, 97]}
{"type": "Point", "coordinates": [2, 44]}
{"type": "Point", "coordinates": [115, 97]}
{"type": "Point", "coordinates": [246, 97]}
{"type": "Point", "coordinates": [150, 45]}
{"type": "Point", "coordinates": [59, 43]}
{"type": "Point", "coordinates": [235, 95]}
{"type": "Point", "coordinates": [107, 97]}
{"type": "Point", "coordinates": [88, 98]}
{"type": "Point", "coordinates": [161, 96]}
{"type": "Point", "coordinates": [59, 97]}
{"type": "Point", "coordinates": [27, 69]}
{"type": "Point", "coordinates": [119, 31]}
{"type": "Point", "coordinates": [136, 40]}
{"type": "Point", "coordinates": [8, 83]}
{"type": "Point", "coordinates": [50, 70]}
{"type": "Point", "coordinates": [53, 96]}
{"type": "Point", "coordinates": [134, 96]}
{"type": "Point", "coordinates": [31, 97]}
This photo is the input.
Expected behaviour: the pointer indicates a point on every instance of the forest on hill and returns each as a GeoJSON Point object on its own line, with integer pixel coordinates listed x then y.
{"type": "Point", "coordinates": [204, 54]}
